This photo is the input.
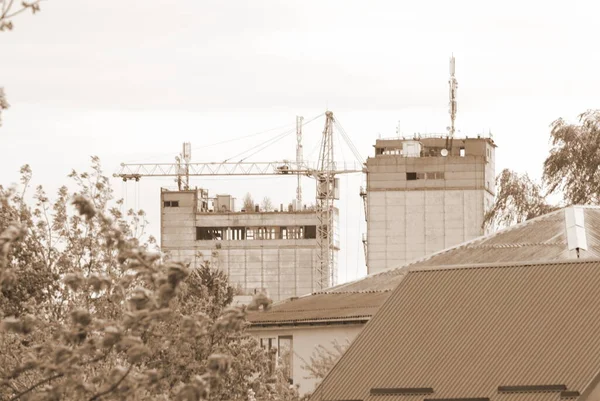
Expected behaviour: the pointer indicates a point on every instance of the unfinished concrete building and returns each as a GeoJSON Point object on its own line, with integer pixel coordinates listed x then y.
{"type": "Point", "coordinates": [274, 251]}
{"type": "Point", "coordinates": [423, 195]}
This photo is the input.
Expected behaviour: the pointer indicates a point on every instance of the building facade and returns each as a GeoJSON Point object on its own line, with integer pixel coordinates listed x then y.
{"type": "Point", "coordinates": [423, 196]}
{"type": "Point", "coordinates": [271, 251]}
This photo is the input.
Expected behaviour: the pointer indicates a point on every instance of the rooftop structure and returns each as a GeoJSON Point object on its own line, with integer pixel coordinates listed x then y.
{"type": "Point", "coordinates": [493, 332]}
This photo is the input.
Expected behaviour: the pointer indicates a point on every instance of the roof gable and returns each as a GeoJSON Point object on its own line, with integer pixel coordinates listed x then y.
{"type": "Point", "coordinates": [465, 331]}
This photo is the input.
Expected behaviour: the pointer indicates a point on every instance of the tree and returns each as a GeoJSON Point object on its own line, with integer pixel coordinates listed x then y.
{"type": "Point", "coordinates": [266, 204]}
{"type": "Point", "coordinates": [518, 198]}
{"type": "Point", "coordinates": [9, 9]}
{"type": "Point", "coordinates": [3, 103]}
{"type": "Point", "coordinates": [573, 166]}
{"type": "Point", "coordinates": [90, 312]}
{"type": "Point", "coordinates": [248, 203]}
{"type": "Point", "coordinates": [572, 169]}
{"type": "Point", "coordinates": [324, 358]}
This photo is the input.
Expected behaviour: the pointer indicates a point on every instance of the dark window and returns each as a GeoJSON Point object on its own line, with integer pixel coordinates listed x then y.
{"type": "Point", "coordinates": [171, 203]}
{"type": "Point", "coordinates": [209, 233]}
{"type": "Point", "coordinates": [411, 176]}
{"type": "Point", "coordinates": [310, 232]}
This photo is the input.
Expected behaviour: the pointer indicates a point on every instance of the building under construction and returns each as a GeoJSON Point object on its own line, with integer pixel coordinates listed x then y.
{"type": "Point", "coordinates": [287, 252]}
{"type": "Point", "coordinates": [261, 250]}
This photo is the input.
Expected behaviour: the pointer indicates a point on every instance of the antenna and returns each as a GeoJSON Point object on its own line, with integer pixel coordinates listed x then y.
{"type": "Point", "coordinates": [453, 106]}
{"type": "Point", "coordinates": [299, 160]}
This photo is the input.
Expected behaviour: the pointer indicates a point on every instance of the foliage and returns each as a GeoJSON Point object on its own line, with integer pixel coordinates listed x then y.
{"type": "Point", "coordinates": [89, 312]}
{"type": "Point", "coordinates": [248, 203]}
{"type": "Point", "coordinates": [573, 164]}
{"type": "Point", "coordinates": [518, 198]}
{"type": "Point", "coordinates": [324, 358]}
{"type": "Point", "coordinates": [572, 169]}
{"type": "Point", "coordinates": [3, 103]}
{"type": "Point", "coordinates": [266, 204]}
{"type": "Point", "coordinates": [9, 9]}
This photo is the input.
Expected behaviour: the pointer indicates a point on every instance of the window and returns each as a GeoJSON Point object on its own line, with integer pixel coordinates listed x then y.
{"type": "Point", "coordinates": [411, 176]}
{"type": "Point", "coordinates": [209, 233]}
{"type": "Point", "coordinates": [310, 232]}
{"type": "Point", "coordinates": [462, 151]}
{"type": "Point", "coordinates": [420, 176]}
{"type": "Point", "coordinates": [171, 204]}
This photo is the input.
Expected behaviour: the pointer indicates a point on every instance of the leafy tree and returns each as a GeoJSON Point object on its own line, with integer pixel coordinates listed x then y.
{"type": "Point", "coordinates": [518, 198]}
{"type": "Point", "coordinates": [573, 166]}
{"type": "Point", "coordinates": [572, 169]}
{"type": "Point", "coordinates": [90, 312]}
{"type": "Point", "coordinates": [248, 203]}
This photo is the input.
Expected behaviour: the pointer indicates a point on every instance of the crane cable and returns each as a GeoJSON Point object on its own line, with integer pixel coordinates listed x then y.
{"type": "Point", "coordinates": [349, 142]}
{"type": "Point", "coordinates": [269, 142]}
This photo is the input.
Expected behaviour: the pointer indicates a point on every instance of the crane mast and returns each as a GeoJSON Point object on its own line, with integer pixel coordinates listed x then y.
{"type": "Point", "coordinates": [325, 199]}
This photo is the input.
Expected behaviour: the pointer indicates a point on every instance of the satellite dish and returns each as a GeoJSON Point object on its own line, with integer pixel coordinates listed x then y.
{"type": "Point", "coordinates": [444, 152]}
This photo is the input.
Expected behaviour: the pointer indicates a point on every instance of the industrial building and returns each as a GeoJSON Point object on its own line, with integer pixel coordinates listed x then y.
{"type": "Point", "coordinates": [424, 195]}
{"type": "Point", "coordinates": [272, 251]}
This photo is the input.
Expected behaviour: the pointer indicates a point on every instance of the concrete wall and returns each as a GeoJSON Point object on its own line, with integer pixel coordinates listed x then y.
{"type": "Point", "coordinates": [304, 343]}
{"type": "Point", "coordinates": [283, 267]}
{"type": "Point", "coordinates": [406, 225]}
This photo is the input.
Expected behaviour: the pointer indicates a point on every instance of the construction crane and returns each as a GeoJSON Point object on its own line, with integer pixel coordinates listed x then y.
{"type": "Point", "coordinates": [324, 171]}
{"type": "Point", "coordinates": [453, 88]}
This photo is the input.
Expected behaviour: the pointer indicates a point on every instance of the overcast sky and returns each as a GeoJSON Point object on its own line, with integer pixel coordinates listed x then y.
{"type": "Point", "coordinates": [131, 80]}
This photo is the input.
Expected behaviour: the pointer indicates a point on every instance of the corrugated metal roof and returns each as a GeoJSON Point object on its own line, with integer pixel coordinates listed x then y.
{"type": "Point", "coordinates": [319, 307]}
{"type": "Point", "coordinates": [539, 239]}
{"type": "Point", "coordinates": [465, 331]}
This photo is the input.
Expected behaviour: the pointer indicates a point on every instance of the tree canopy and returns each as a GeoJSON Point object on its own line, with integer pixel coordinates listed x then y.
{"type": "Point", "coordinates": [571, 170]}
{"type": "Point", "coordinates": [91, 312]}
{"type": "Point", "coordinates": [573, 164]}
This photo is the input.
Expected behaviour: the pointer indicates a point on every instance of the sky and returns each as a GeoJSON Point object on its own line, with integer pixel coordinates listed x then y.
{"type": "Point", "coordinates": [130, 81]}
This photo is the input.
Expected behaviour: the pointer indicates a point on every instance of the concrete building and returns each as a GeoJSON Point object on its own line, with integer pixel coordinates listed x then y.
{"type": "Point", "coordinates": [273, 251]}
{"type": "Point", "coordinates": [339, 313]}
{"type": "Point", "coordinates": [422, 197]}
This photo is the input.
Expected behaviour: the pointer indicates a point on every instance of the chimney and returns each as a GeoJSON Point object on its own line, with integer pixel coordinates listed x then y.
{"type": "Point", "coordinates": [575, 228]}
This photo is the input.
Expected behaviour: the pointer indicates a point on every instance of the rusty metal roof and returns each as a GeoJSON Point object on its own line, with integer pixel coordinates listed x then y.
{"type": "Point", "coordinates": [538, 239]}
{"type": "Point", "coordinates": [505, 332]}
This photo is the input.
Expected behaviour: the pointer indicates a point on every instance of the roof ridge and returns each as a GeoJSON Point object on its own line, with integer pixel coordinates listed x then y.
{"type": "Point", "coordinates": [496, 265]}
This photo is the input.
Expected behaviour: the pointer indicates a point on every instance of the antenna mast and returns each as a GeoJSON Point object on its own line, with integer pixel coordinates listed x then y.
{"type": "Point", "coordinates": [453, 107]}
{"type": "Point", "coordinates": [183, 167]}
{"type": "Point", "coordinates": [299, 159]}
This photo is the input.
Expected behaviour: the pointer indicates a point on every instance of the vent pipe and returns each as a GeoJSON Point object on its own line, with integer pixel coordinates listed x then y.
{"type": "Point", "coordinates": [575, 227]}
